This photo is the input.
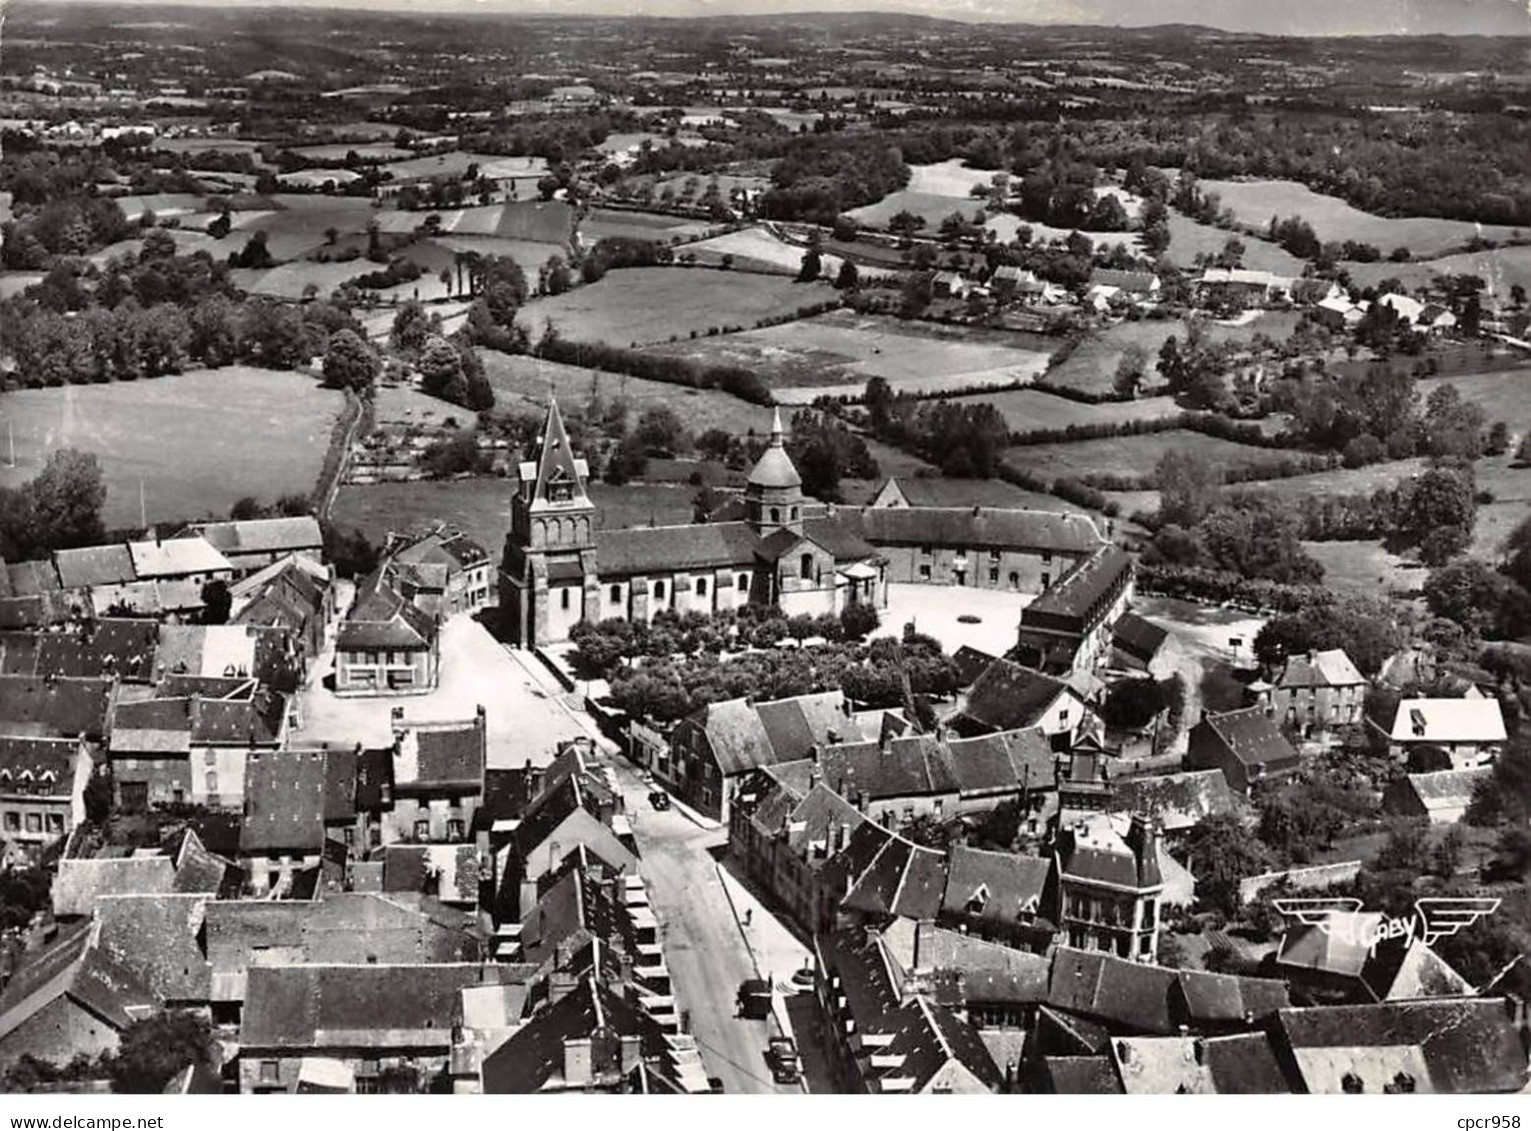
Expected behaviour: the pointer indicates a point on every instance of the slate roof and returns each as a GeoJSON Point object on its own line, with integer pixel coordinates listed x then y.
{"type": "Point", "coordinates": [1134, 282]}
{"type": "Point", "coordinates": [284, 802]}
{"type": "Point", "coordinates": [42, 767]}
{"type": "Point", "coordinates": [1011, 885]}
{"type": "Point", "coordinates": [1457, 1045]}
{"type": "Point", "coordinates": [373, 1007]}
{"type": "Point", "coordinates": [928, 1037]}
{"type": "Point", "coordinates": [1080, 591]}
{"type": "Point", "coordinates": [68, 707]}
{"type": "Point", "coordinates": [1080, 1076]}
{"type": "Point", "coordinates": [381, 620]}
{"type": "Point", "coordinates": [977, 527]}
{"type": "Point", "coordinates": [1236, 1065]}
{"type": "Point", "coordinates": [841, 534]}
{"type": "Point", "coordinates": [1446, 789]}
{"type": "Point", "coordinates": [1137, 636]}
{"type": "Point", "coordinates": [1252, 737]}
{"type": "Point", "coordinates": [1230, 999]}
{"type": "Point", "coordinates": [71, 966]}
{"type": "Point", "coordinates": [1129, 997]}
{"type": "Point", "coordinates": [1332, 668]}
{"type": "Point", "coordinates": [94, 565]}
{"type": "Point", "coordinates": [443, 546]}
{"type": "Point", "coordinates": [340, 769]}
{"type": "Point", "coordinates": [1178, 801]}
{"type": "Point", "coordinates": [671, 549]}
{"type": "Point", "coordinates": [1093, 851]}
{"type": "Point", "coordinates": [449, 755]}
{"type": "Point", "coordinates": [109, 646]}
{"type": "Point", "coordinates": [262, 535]}
{"type": "Point", "coordinates": [902, 879]}
{"type": "Point", "coordinates": [174, 724]}
{"type": "Point", "coordinates": [939, 491]}
{"type": "Point", "coordinates": [1010, 696]}
{"type": "Point", "coordinates": [32, 579]}
{"type": "Point", "coordinates": [533, 1056]}
{"type": "Point", "coordinates": [991, 973]}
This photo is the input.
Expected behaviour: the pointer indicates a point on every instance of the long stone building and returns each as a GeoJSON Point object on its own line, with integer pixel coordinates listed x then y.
{"type": "Point", "coordinates": [789, 550]}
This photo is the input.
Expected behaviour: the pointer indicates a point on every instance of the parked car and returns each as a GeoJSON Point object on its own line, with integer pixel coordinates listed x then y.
{"type": "Point", "coordinates": [754, 998]}
{"type": "Point", "coordinates": [715, 1084]}
{"type": "Point", "coordinates": [781, 1055]}
{"type": "Point", "coordinates": [659, 799]}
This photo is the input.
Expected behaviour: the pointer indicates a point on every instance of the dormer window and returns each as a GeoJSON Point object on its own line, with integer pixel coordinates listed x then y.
{"type": "Point", "coordinates": [978, 900]}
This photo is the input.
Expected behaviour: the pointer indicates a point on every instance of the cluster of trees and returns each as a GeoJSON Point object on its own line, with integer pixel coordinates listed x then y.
{"type": "Point", "coordinates": [1061, 193]}
{"type": "Point", "coordinates": [1489, 602]}
{"type": "Point", "coordinates": [820, 177]}
{"type": "Point", "coordinates": [963, 440]}
{"type": "Point", "coordinates": [614, 252]}
{"type": "Point", "coordinates": [450, 368]}
{"type": "Point", "coordinates": [668, 690]}
{"type": "Point", "coordinates": [65, 226]}
{"type": "Point", "coordinates": [1366, 628]}
{"type": "Point", "coordinates": [58, 509]}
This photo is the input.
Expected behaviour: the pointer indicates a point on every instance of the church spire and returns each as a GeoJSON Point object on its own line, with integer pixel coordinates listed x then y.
{"type": "Point", "coordinates": [776, 431]}
{"type": "Point", "coordinates": [560, 476]}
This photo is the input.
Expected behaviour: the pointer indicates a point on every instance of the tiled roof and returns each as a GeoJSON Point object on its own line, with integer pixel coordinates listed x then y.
{"type": "Point", "coordinates": [1252, 737]}
{"type": "Point", "coordinates": [32, 579]}
{"type": "Point", "coordinates": [176, 557]}
{"type": "Point", "coordinates": [454, 867]}
{"type": "Point", "coordinates": [991, 973]}
{"type": "Point", "coordinates": [902, 879]}
{"type": "Point", "coordinates": [1445, 789]}
{"type": "Point", "coordinates": [43, 707]}
{"type": "Point", "coordinates": [449, 755]}
{"type": "Point", "coordinates": [262, 535]}
{"type": "Point", "coordinates": [671, 549]}
{"type": "Point", "coordinates": [380, 620]}
{"type": "Point", "coordinates": [1227, 998]}
{"type": "Point", "coordinates": [1236, 1065]}
{"type": "Point", "coordinates": [978, 527]}
{"type": "Point", "coordinates": [1092, 850]}
{"type": "Point", "coordinates": [79, 884]}
{"type": "Point", "coordinates": [73, 967]}
{"type": "Point", "coordinates": [284, 801]}
{"type": "Point", "coordinates": [340, 768]}
{"type": "Point", "coordinates": [928, 1037]}
{"type": "Point", "coordinates": [1080, 1076]}
{"type": "Point", "coordinates": [533, 1056]}
{"type": "Point", "coordinates": [1138, 637]}
{"type": "Point", "coordinates": [110, 646]}
{"type": "Point", "coordinates": [94, 565]}
{"type": "Point", "coordinates": [158, 936]}
{"type": "Point", "coordinates": [1131, 996]}
{"type": "Point", "coordinates": [1454, 1045]}
{"type": "Point", "coordinates": [1178, 801]}
{"type": "Point", "coordinates": [1320, 669]}
{"type": "Point", "coordinates": [1010, 697]}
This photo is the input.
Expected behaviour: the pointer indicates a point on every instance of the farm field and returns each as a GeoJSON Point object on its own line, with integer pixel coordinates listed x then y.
{"type": "Point", "coordinates": [1504, 395]}
{"type": "Point", "coordinates": [1188, 239]}
{"type": "Point", "coordinates": [198, 441]}
{"type": "Point", "coordinates": [1092, 365]}
{"type": "Point", "coordinates": [649, 304]}
{"type": "Point", "coordinates": [481, 507]}
{"type": "Point", "coordinates": [289, 279]}
{"type": "Point", "coordinates": [934, 207]}
{"type": "Point", "coordinates": [1027, 410]}
{"type": "Point", "coordinates": [1006, 224]}
{"type": "Point", "coordinates": [1129, 455]}
{"type": "Point", "coordinates": [209, 145]}
{"type": "Point", "coordinates": [837, 353]}
{"type": "Point", "coordinates": [339, 151]}
{"type": "Point", "coordinates": [1255, 202]}
{"type": "Point", "coordinates": [521, 384]}
{"type": "Point", "coordinates": [1340, 480]}
{"type": "Point", "coordinates": [1499, 269]}
{"type": "Point", "coordinates": [603, 222]}
{"type": "Point", "coordinates": [758, 249]}
{"type": "Point", "coordinates": [1511, 487]}
{"type": "Point", "coordinates": [455, 163]}
{"type": "Point", "coordinates": [14, 282]}
{"type": "Point", "coordinates": [406, 405]}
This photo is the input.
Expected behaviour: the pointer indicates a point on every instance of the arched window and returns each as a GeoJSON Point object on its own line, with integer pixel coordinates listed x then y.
{"type": "Point", "coordinates": [1015, 580]}
{"type": "Point", "coordinates": [794, 514]}
{"type": "Point", "coordinates": [616, 594]}
{"type": "Point", "coordinates": [212, 781]}
{"type": "Point", "coordinates": [701, 587]}
{"type": "Point", "coordinates": [775, 514]}
{"type": "Point", "coordinates": [659, 590]}
{"type": "Point", "coordinates": [806, 567]}
{"type": "Point", "coordinates": [744, 582]}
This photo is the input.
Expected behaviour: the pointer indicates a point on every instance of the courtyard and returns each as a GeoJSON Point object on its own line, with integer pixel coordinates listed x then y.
{"type": "Point", "coordinates": [525, 722]}
{"type": "Point", "coordinates": [938, 611]}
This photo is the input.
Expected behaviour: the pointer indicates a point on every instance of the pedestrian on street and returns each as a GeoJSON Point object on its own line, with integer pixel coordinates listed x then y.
{"type": "Point", "coordinates": [749, 913]}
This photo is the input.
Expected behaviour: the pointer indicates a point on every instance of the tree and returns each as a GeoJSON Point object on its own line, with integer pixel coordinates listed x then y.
{"type": "Point", "coordinates": [441, 371]}
{"type": "Point", "coordinates": [349, 551]}
{"type": "Point", "coordinates": [1485, 602]}
{"type": "Point", "coordinates": [155, 1049]}
{"type": "Point", "coordinates": [1130, 370]}
{"type": "Point", "coordinates": [66, 498]}
{"type": "Point", "coordinates": [859, 620]}
{"type": "Point", "coordinates": [812, 266]}
{"type": "Point", "coordinates": [349, 362]}
{"type": "Point", "coordinates": [216, 602]}
{"type": "Point", "coordinates": [1438, 515]}
{"type": "Point", "coordinates": [660, 431]}
{"type": "Point", "coordinates": [1222, 852]}
{"type": "Point", "coordinates": [879, 402]}
{"type": "Point", "coordinates": [905, 223]}
{"type": "Point", "coordinates": [1188, 487]}
{"type": "Point", "coordinates": [23, 893]}
{"type": "Point", "coordinates": [848, 278]}
{"type": "Point", "coordinates": [411, 327]}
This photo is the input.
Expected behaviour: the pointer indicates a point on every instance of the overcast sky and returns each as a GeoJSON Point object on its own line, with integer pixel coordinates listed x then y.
{"type": "Point", "coordinates": [1295, 17]}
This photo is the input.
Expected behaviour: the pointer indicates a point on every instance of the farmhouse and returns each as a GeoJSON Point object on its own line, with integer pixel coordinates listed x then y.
{"type": "Point", "coordinates": [1442, 796]}
{"type": "Point", "coordinates": [1221, 283]}
{"type": "Point", "coordinates": [1245, 744]}
{"type": "Point", "coordinates": [1317, 691]}
{"type": "Point", "coordinates": [386, 646]}
{"type": "Point", "coordinates": [1469, 731]}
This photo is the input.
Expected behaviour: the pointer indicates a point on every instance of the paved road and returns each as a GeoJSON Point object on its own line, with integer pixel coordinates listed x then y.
{"type": "Point", "coordinates": [705, 952]}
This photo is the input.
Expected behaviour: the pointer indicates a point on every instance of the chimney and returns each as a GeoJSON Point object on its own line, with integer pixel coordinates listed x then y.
{"type": "Point", "coordinates": [406, 756]}
{"type": "Point", "coordinates": [577, 1062]}
{"type": "Point", "coordinates": [842, 835]}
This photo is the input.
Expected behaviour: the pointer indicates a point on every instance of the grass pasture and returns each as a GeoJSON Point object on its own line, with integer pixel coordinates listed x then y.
{"type": "Point", "coordinates": [837, 353]}
{"type": "Point", "coordinates": [1500, 269]}
{"type": "Point", "coordinates": [757, 249]}
{"type": "Point", "coordinates": [934, 207]}
{"type": "Point", "coordinates": [522, 384]}
{"type": "Point", "coordinates": [1504, 395]}
{"type": "Point", "coordinates": [1092, 365]}
{"type": "Point", "coordinates": [644, 305]}
{"type": "Point", "coordinates": [1364, 567]}
{"type": "Point", "coordinates": [198, 441]}
{"type": "Point", "coordinates": [1188, 239]}
{"type": "Point", "coordinates": [1031, 410]}
{"type": "Point", "coordinates": [656, 226]}
{"type": "Point", "coordinates": [1005, 225]}
{"type": "Point", "coordinates": [1129, 455]}
{"type": "Point", "coordinates": [1255, 202]}
{"type": "Point", "coordinates": [339, 151]}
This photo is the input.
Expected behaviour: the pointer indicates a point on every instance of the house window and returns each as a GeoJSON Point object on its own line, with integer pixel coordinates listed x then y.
{"type": "Point", "coordinates": [775, 514]}
{"type": "Point", "coordinates": [348, 834]}
{"type": "Point", "coordinates": [455, 829]}
{"type": "Point", "coordinates": [268, 1072]}
{"type": "Point", "coordinates": [794, 514]}
{"type": "Point", "coordinates": [209, 758]}
{"type": "Point", "coordinates": [422, 830]}
{"type": "Point", "coordinates": [744, 582]}
{"type": "Point", "coordinates": [55, 822]}
{"type": "Point", "coordinates": [701, 587]}
{"type": "Point", "coordinates": [994, 577]}
{"type": "Point", "coordinates": [1015, 580]}
{"type": "Point", "coordinates": [616, 594]}
{"type": "Point", "coordinates": [805, 567]}
{"type": "Point", "coordinates": [1047, 579]}
{"type": "Point", "coordinates": [34, 822]}
{"type": "Point", "coordinates": [925, 550]}
{"type": "Point", "coordinates": [994, 555]}
{"type": "Point", "coordinates": [924, 573]}
{"type": "Point", "coordinates": [211, 783]}
{"type": "Point", "coordinates": [1047, 557]}
{"type": "Point", "coordinates": [659, 590]}
{"type": "Point", "coordinates": [563, 597]}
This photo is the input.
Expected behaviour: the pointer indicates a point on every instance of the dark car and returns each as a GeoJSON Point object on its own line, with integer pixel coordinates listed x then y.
{"type": "Point", "coordinates": [754, 999]}
{"type": "Point", "coordinates": [715, 1083]}
{"type": "Point", "coordinates": [781, 1054]}
{"type": "Point", "coordinates": [659, 799]}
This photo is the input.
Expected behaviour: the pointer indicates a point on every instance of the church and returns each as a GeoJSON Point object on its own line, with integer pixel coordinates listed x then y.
{"type": "Point", "coordinates": [790, 551]}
